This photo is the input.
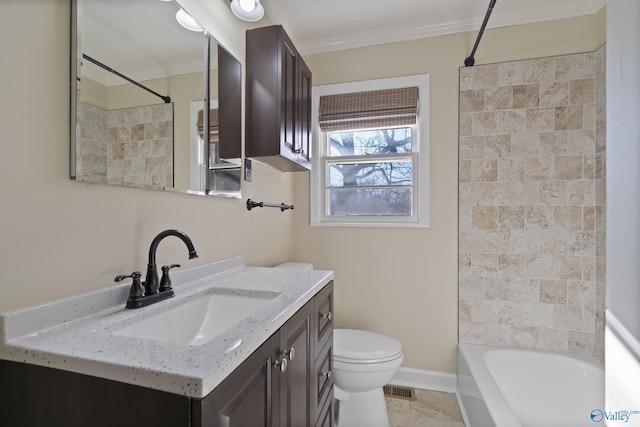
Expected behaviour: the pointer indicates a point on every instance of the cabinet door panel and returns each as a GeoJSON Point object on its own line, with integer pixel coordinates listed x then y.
{"type": "Point", "coordinates": [263, 104]}
{"type": "Point", "coordinates": [230, 96]}
{"type": "Point", "coordinates": [303, 129]}
{"type": "Point", "coordinates": [295, 396]}
{"type": "Point", "coordinates": [288, 125]}
{"type": "Point", "coordinates": [34, 396]}
{"type": "Point", "coordinates": [246, 398]}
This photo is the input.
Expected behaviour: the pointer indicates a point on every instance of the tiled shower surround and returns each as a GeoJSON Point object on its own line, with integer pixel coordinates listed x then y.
{"type": "Point", "coordinates": [131, 147]}
{"type": "Point", "coordinates": [532, 204]}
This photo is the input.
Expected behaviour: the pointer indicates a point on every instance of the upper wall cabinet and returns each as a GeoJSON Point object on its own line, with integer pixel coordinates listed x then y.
{"type": "Point", "coordinates": [278, 103]}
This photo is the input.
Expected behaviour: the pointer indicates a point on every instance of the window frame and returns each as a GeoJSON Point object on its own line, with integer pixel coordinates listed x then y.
{"type": "Point", "coordinates": [420, 154]}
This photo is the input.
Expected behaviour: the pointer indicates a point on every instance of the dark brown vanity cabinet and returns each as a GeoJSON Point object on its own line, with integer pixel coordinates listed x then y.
{"type": "Point", "coordinates": [322, 379]}
{"type": "Point", "coordinates": [278, 101]}
{"type": "Point", "coordinates": [246, 397]}
{"type": "Point", "coordinates": [271, 388]}
{"type": "Point", "coordinates": [286, 382]}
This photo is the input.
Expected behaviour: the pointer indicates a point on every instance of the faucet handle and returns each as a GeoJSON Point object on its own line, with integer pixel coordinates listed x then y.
{"type": "Point", "coordinates": [165, 281]}
{"type": "Point", "coordinates": [137, 290]}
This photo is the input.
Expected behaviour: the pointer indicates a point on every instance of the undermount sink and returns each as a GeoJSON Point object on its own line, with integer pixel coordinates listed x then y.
{"type": "Point", "coordinates": [197, 322]}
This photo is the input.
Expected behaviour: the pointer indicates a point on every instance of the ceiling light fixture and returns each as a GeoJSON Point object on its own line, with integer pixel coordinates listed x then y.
{"type": "Point", "coordinates": [247, 10]}
{"type": "Point", "coordinates": [187, 21]}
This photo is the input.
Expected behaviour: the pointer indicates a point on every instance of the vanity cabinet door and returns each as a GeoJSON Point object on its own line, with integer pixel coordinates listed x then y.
{"type": "Point", "coordinates": [287, 382]}
{"type": "Point", "coordinates": [295, 381]}
{"type": "Point", "coordinates": [247, 397]}
{"type": "Point", "coordinates": [36, 396]}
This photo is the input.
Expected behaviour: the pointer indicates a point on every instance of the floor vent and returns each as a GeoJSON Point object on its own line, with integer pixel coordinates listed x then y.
{"type": "Point", "coordinates": [399, 392]}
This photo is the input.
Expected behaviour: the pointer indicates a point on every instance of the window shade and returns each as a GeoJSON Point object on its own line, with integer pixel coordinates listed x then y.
{"type": "Point", "coordinates": [373, 109]}
{"type": "Point", "coordinates": [214, 135]}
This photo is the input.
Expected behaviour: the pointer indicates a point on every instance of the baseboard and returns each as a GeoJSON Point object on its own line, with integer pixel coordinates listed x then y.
{"type": "Point", "coordinates": [428, 380]}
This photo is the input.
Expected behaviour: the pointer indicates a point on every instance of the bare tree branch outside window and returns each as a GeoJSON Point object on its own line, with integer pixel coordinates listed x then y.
{"type": "Point", "coordinates": [371, 187]}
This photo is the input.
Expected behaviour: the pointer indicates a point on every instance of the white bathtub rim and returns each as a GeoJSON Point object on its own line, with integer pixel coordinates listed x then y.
{"type": "Point", "coordinates": [499, 410]}
{"type": "Point", "coordinates": [497, 405]}
{"type": "Point", "coordinates": [463, 411]}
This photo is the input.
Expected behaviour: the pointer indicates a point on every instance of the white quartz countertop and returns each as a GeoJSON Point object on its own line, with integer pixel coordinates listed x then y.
{"type": "Point", "coordinates": [76, 334]}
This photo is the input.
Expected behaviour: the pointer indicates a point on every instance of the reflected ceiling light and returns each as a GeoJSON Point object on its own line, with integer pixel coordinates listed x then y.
{"type": "Point", "coordinates": [247, 10]}
{"type": "Point", "coordinates": [187, 21]}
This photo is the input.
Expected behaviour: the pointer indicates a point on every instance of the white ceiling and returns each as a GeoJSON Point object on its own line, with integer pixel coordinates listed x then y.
{"type": "Point", "coordinates": [163, 48]}
{"type": "Point", "coordinates": [327, 25]}
{"type": "Point", "coordinates": [138, 38]}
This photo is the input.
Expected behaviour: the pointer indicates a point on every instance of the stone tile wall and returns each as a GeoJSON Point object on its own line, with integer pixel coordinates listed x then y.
{"type": "Point", "coordinates": [531, 204]}
{"type": "Point", "coordinates": [131, 147]}
{"type": "Point", "coordinates": [91, 151]}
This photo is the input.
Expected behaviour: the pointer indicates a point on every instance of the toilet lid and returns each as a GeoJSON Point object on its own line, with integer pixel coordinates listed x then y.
{"type": "Point", "coordinates": [355, 346]}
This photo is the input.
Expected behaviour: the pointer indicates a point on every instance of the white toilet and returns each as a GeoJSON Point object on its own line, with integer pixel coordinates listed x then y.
{"type": "Point", "coordinates": [363, 362]}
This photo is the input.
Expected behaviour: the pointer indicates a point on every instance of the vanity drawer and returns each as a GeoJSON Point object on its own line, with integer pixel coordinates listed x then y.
{"type": "Point", "coordinates": [323, 380]}
{"type": "Point", "coordinates": [324, 317]}
{"type": "Point", "coordinates": [325, 419]}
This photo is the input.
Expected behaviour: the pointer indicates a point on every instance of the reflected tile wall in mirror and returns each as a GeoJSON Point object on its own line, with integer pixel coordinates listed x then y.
{"type": "Point", "coordinates": [132, 147]}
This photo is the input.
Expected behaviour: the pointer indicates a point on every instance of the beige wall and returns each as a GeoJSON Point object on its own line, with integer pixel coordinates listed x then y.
{"type": "Point", "coordinates": [94, 93]}
{"type": "Point", "coordinates": [412, 292]}
{"type": "Point", "coordinates": [184, 89]}
{"type": "Point", "coordinates": [59, 237]}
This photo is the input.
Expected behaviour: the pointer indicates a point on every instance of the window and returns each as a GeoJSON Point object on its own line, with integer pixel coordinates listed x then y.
{"type": "Point", "coordinates": [370, 161]}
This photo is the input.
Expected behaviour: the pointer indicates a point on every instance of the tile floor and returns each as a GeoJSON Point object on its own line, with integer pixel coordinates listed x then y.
{"type": "Point", "coordinates": [430, 409]}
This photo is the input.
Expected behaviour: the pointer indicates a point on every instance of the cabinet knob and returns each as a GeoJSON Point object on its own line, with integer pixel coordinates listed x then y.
{"type": "Point", "coordinates": [328, 316]}
{"type": "Point", "coordinates": [326, 375]}
{"type": "Point", "coordinates": [281, 364]}
{"type": "Point", "coordinates": [289, 353]}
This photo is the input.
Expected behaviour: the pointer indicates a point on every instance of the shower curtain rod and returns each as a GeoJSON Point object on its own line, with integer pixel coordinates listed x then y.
{"type": "Point", "coordinates": [470, 60]}
{"type": "Point", "coordinates": [166, 99]}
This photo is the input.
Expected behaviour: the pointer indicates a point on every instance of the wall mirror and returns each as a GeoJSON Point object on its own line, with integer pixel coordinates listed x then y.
{"type": "Point", "coordinates": [140, 85]}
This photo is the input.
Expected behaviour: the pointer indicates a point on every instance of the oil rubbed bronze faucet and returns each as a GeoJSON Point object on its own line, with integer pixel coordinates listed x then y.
{"type": "Point", "coordinates": [152, 290]}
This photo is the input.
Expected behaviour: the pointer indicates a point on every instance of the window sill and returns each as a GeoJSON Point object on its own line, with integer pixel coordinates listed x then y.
{"type": "Point", "coordinates": [370, 224]}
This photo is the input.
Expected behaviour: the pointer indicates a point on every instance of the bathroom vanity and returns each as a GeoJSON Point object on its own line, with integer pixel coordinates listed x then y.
{"type": "Point", "coordinates": [75, 362]}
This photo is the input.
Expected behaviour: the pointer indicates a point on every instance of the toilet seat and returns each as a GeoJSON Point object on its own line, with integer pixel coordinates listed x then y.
{"type": "Point", "coordinates": [364, 347]}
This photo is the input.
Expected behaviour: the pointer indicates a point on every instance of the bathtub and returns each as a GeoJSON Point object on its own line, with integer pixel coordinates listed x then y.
{"type": "Point", "coordinates": [504, 387]}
